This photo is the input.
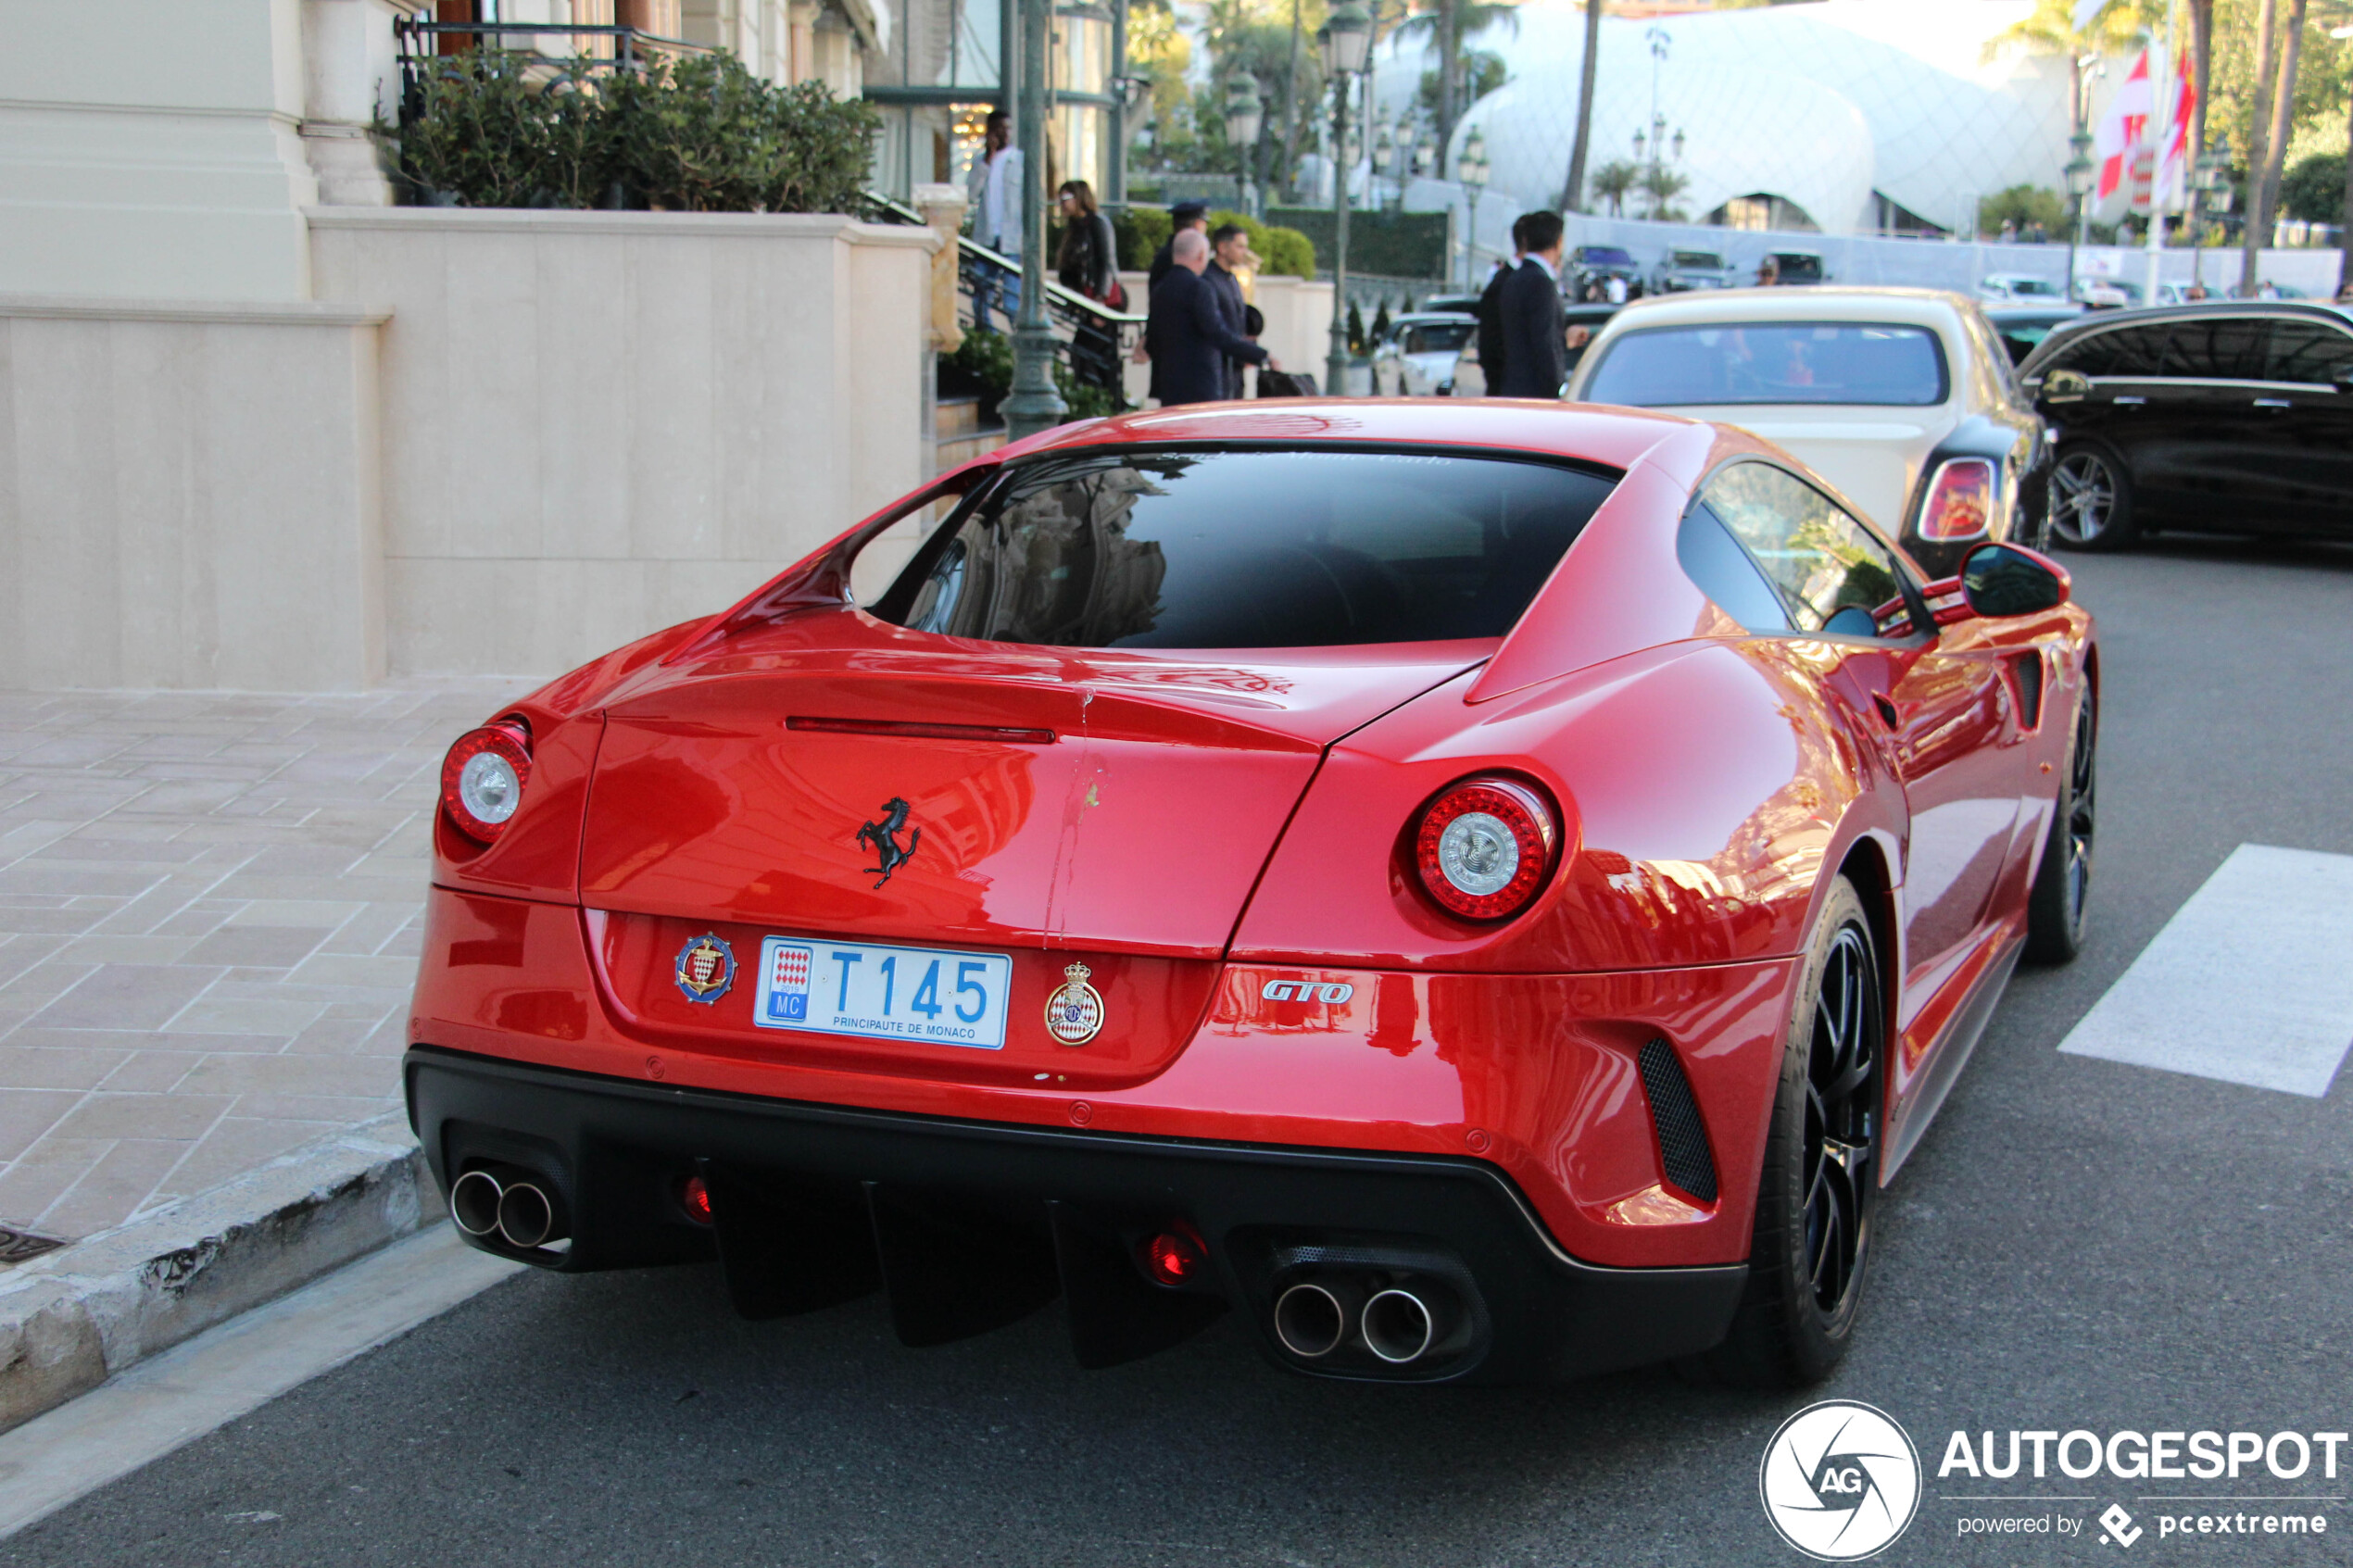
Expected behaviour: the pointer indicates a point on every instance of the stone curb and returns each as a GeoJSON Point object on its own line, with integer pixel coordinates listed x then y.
{"type": "Point", "coordinates": [75, 1317]}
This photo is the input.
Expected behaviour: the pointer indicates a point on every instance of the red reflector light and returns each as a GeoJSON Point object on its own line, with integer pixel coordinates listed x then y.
{"type": "Point", "coordinates": [1485, 846]}
{"type": "Point", "coordinates": [1960, 501]}
{"type": "Point", "coordinates": [483, 779]}
{"type": "Point", "coordinates": [693, 1196]}
{"type": "Point", "coordinates": [1174, 1258]}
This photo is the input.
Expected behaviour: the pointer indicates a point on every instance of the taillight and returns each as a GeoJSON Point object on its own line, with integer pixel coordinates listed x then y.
{"type": "Point", "coordinates": [483, 779]}
{"type": "Point", "coordinates": [1960, 501]}
{"type": "Point", "coordinates": [1484, 847]}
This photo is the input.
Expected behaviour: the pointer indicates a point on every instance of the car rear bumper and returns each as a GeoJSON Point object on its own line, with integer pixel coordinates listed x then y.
{"type": "Point", "coordinates": [966, 1225]}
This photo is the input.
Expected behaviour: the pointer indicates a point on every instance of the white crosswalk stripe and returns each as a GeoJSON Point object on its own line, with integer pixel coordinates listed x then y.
{"type": "Point", "coordinates": [2251, 982]}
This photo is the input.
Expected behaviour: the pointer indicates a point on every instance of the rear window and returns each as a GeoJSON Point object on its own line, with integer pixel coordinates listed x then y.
{"type": "Point", "coordinates": [1433, 337]}
{"type": "Point", "coordinates": [1772, 362]}
{"type": "Point", "coordinates": [1245, 549]}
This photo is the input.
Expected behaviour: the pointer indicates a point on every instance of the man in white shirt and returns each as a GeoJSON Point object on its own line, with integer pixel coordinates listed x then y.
{"type": "Point", "coordinates": [997, 219]}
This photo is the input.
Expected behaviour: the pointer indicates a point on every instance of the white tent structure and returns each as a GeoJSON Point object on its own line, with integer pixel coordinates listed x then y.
{"type": "Point", "coordinates": [1846, 109]}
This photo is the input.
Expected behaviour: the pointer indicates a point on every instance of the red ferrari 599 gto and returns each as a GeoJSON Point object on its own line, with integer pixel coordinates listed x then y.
{"type": "Point", "coordinates": [1482, 891]}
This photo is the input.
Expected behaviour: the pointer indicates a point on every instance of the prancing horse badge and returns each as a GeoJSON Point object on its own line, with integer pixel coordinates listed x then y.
{"type": "Point", "coordinates": [882, 838]}
{"type": "Point", "coordinates": [1075, 1012]}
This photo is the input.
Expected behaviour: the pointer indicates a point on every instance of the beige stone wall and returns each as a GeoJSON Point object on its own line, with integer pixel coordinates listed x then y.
{"type": "Point", "coordinates": [189, 496]}
{"type": "Point", "coordinates": [596, 424]}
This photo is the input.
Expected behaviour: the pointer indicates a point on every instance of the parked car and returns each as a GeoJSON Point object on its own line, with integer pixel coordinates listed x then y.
{"type": "Point", "coordinates": [1798, 266]}
{"type": "Point", "coordinates": [1680, 271]}
{"type": "Point", "coordinates": [1417, 359]}
{"type": "Point", "coordinates": [1902, 398]}
{"type": "Point", "coordinates": [1451, 304]}
{"type": "Point", "coordinates": [1593, 266]}
{"type": "Point", "coordinates": [2228, 415]}
{"type": "Point", "coordinates": [2023, 326]}
{"type": "Point", "coordinates": [2108, 294]}
{"type": "Point", "coordinates": [1247, 861]}
{"type": "Point", "coordinates": [1582, 321]}
{"type": "Point", "coordinates": [2020, 287]}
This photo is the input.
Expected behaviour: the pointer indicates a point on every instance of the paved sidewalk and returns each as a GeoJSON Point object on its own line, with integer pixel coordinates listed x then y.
{"type": "Point", "coordinates": [208, 909]}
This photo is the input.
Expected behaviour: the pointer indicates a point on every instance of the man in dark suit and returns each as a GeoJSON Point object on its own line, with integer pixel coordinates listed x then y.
{"type": "Point", "coordinates": [1191, 339]}
{"type": "Point", "coordinates": [1184, 215]}
{"type": "Point", "coordinates": [1535, 327]}
{"type": "Point", "coordinates": [1229, 253]}
{"type": "Point", "coordinates": [1490, 311]}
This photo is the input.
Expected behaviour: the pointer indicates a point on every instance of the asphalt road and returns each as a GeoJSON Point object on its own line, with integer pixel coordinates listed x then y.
{"type": "Point", "coordinates": [2076, 1244]}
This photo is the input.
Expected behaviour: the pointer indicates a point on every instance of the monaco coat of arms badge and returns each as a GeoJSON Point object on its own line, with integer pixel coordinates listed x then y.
{"type": "Point", "coordinates": [1074, 1011]}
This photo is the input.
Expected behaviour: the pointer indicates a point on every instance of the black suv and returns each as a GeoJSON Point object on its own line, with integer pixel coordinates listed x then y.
{"type": "Point", "coordinates": [2233, 416]}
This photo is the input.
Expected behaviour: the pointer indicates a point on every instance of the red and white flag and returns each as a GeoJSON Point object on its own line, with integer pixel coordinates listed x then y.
{"type": "Point", "coordinates": [2122, 129]}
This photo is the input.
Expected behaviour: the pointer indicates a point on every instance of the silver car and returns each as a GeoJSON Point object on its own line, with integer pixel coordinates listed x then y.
{"type": "Point", "coordinates": [1416, 359]}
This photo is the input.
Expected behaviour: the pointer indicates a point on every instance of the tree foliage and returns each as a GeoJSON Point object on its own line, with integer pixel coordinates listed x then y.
{"type": "Point", "coordinates": [1612, 183]}
{"type": "Point", "coordinates": [2022, 206]}
{"type": "Point", "coordinates": [2313, 188]}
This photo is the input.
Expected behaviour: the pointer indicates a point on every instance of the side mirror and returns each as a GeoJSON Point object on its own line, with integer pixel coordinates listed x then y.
{"type": "Point", "coordinates": [1998, 581]}
{"type": "Point", "coordinates": [2065, 386]}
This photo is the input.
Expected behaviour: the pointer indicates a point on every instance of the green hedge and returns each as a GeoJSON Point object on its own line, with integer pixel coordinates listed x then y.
{"type": "Point", "coordinates": [696, 134]}
{"type": "Point", "coordinates": [1386, 244]}
{"type": "Point", "coordinates": [1143, 230]}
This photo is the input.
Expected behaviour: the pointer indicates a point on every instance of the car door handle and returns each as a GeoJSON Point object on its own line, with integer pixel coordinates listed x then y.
{"type": "Point", "coordinates": [2128, 402]}
{"type": "Point", "coordinates": [2273, 403]}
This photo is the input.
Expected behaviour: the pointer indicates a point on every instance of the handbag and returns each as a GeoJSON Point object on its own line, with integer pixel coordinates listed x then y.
{"type": "Point", "coordinates": [1286, 383]}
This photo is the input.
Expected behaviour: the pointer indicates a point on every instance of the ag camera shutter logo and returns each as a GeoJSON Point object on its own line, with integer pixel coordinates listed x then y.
{"type": "Point", "coordinates": [1840, 1480]}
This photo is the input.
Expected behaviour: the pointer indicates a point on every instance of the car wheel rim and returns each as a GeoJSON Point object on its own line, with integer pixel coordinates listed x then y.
{"type": "Point", "coordinates": [1842, 1120]}
{"type": "Point", "coordinates": [2082, 779]}
{"type": "Point", "coordinates": [2086, 498]}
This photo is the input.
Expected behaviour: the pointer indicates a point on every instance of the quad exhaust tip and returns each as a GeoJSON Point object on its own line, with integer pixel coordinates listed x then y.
{"type": "Point", "coordinates": [1398, 1327]}
{"type": "Point", "coordinates": [1310, 1321]}
{"type": "Point", "coordinates": [517, 1211]}
{"type": "Point", "coordinates": [474, 1203]}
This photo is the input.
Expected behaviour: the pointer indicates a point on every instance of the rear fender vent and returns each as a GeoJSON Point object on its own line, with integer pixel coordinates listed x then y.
{"type": "Point", "coordinates": [2026, 669]}
{"type": "Point", "coordinates": [1682, 1140]}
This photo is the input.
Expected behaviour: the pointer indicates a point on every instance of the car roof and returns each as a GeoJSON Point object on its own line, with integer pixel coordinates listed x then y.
{"type": "Point", "coordinates": [2202, 309]}
{"type": "Point", "coordinates": [1414, 318]}
{"type": "Point", "coordinates": [1836, 302]}
{"type": "Point", "coordinates": [1615, 437]}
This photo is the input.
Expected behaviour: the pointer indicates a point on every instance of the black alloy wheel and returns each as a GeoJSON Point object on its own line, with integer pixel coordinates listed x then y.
{"type": "Point", "coordinates": [1842, 1120]}
{"type": "Point", "coordinates": [2091, 501]}
{"type": "Point", "coordinates": [2058, 910]}
{"type": "Point", "coordinates": [1819, 1186]}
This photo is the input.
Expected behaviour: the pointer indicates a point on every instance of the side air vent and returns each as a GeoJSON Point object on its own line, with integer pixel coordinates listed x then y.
{"type": "Point", "coordinates": [2027, 670]}
{"type": "Point", "coordinates": [1682, 1141]}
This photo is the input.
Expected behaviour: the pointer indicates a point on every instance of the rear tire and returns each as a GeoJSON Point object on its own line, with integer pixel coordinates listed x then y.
{"type": "Point", "coordinates": [1819, 1186]}
{"type": "Point", "coordinates": [2057, 909]}
{"type": "Point", "coordinates": [2091, 499]}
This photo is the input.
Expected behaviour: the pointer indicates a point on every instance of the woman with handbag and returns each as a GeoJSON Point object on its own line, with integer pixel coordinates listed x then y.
{"type": "Point", "coordinates": [1088, 264]}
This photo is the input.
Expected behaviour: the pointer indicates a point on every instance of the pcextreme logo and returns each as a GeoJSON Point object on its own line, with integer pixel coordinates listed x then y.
{"type": "Point", "coordinates": [1840, 1480]}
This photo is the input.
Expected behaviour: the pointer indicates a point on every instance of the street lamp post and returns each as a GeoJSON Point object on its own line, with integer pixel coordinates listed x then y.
{"type": "Point", "coordinates": [1033, 405]}
{"type": "Point", "coordinates": [2078, 173]}
{"type": "Point", "coordinates": [1245, 112]}
{"type": "Point", "coordinates": [1345, 40]}
{"type": "Point", "coordinates": [1385, 160]}
{"type": "Point", "coordinates": [1470, 169]}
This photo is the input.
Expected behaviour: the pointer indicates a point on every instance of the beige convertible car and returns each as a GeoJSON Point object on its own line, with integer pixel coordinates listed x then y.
{"type": "Point", "coordinates": [1901, 397]}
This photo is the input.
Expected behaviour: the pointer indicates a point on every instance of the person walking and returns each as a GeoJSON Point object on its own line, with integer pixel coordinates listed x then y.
{"type": "Point", "coordinates": [1490, 311]}
{"type": "Point", "coordinates": [1535, 325]}
{"type": "Point", "coordinates": [1193, 342]}
{"type": "Point", "coordinates": [1089, 260]}
{"type": "Point", "coordinates": [997, 220]}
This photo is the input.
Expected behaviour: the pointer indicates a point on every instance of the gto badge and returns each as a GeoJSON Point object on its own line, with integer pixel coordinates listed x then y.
{"type": "Point", "coordinates": [882, 838]}
{"type": "Point", "coordinates": [706, 968]}
{"type": "Point", "coordinates": [1329, 994]}
{"type": "Point", "coordinates": [1075, 1012]}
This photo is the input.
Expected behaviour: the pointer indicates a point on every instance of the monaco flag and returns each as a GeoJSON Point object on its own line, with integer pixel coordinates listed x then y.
{"type": "Point", "coordinates": [2147, 126]}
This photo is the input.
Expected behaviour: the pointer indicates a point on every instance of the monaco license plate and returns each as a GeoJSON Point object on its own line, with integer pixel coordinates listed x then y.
{"type": "Point", "coordinates": [943, 999]}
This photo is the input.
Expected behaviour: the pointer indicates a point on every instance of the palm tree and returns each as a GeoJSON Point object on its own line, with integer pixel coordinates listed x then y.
{"type": "Point", "coordinates": [1612, 182]}
{"type": "Point", "coordinates": [1662, 186]}
{"type": "Point", "coordinates": [1453, 24]}
{"type": "Point", "coordinates": [1573, 191]}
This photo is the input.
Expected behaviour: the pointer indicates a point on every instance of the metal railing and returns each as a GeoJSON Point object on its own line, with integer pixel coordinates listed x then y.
{"type": "Point", "coordinates": [416, 43]}
{"type": "Point", "coordinates": [1092, 338]}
